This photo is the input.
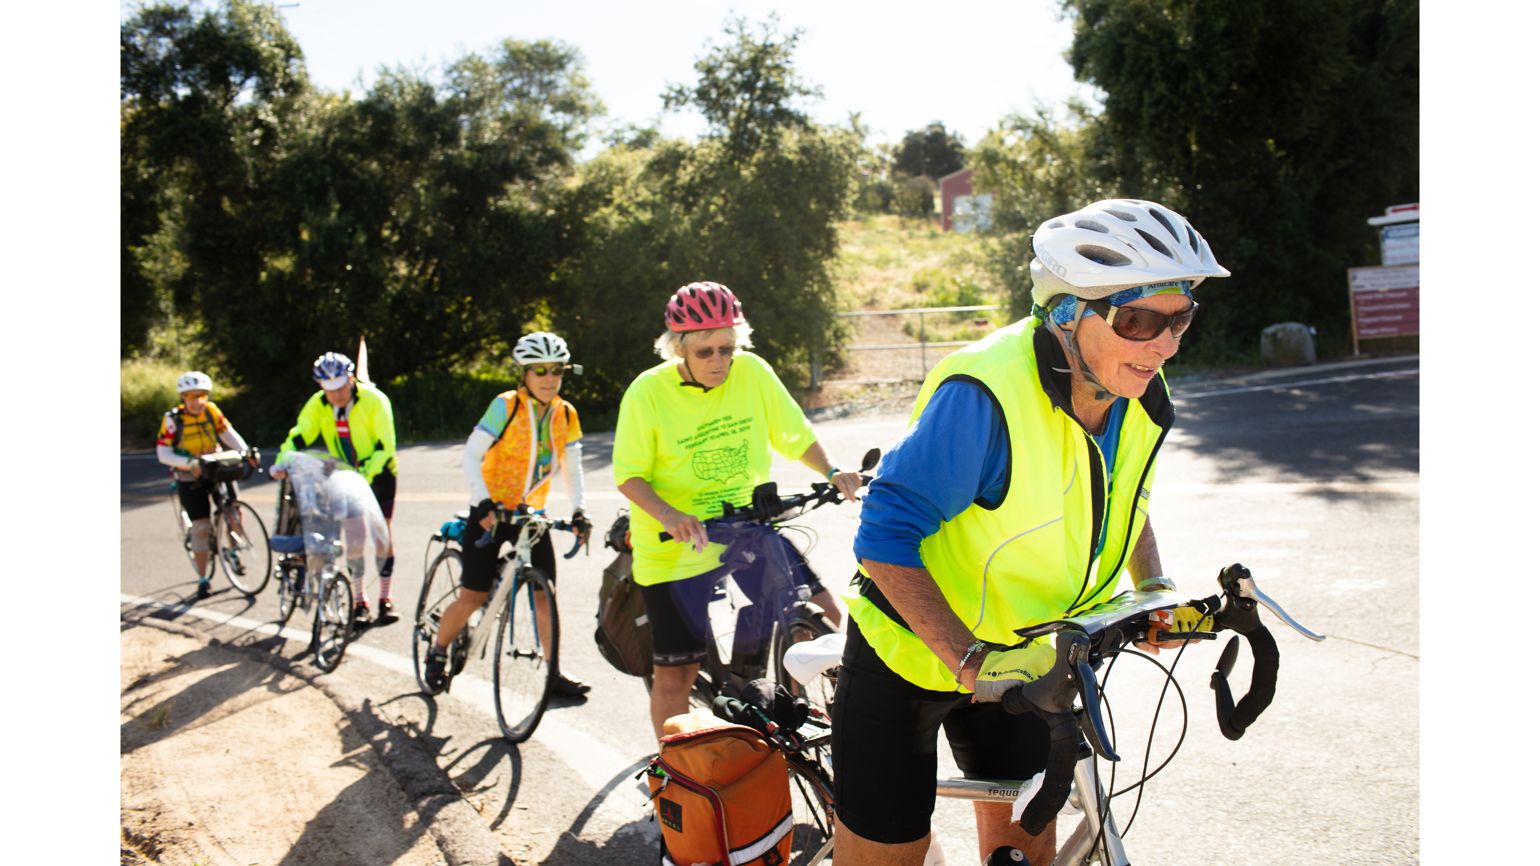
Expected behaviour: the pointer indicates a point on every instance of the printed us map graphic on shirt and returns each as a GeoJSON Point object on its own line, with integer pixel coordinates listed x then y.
{"type": "Point", "coordinates": [720, 464]}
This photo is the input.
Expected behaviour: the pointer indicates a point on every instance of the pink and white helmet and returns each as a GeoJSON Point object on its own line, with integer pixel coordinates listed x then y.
{"type": "Point", "coordinates": [703, 307]}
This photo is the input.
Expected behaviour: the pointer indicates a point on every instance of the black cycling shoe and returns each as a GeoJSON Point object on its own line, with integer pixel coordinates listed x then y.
{"type": "Point", "coordinates": [567, 687]}
{"type": "Point", "coordinates": [433, 670]}
{"type": "Point", "coordinates": [204, 590]}
{"type": "Point", "coordinates": [387, 613]}
{"type": "Point", "coordinates": [361, 616]}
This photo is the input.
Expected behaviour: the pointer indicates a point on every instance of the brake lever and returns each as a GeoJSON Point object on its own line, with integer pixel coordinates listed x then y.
{"type": "Point", "coordinates": [1238, 580]}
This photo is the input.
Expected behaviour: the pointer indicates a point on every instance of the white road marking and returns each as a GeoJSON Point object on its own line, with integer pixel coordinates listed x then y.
{"type": "Point", "coordinates": [1302, 383]}
{"type": "Point", "coordinates": [593, 760]}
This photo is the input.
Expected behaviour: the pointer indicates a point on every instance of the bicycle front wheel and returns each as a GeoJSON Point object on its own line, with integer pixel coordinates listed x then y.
{"type": "Point", "coordinates": [333, 622]}
{"type": "Point", "coordinates": [525, 660]}
{"type": "Point", "coordinates": [440, 586]}
{"type": "Point", "coordinates": [812, 812]}
{"type": "Point", "coordinates": [244, 555]}
{"type": "Point", "coordinates": [804, 624]}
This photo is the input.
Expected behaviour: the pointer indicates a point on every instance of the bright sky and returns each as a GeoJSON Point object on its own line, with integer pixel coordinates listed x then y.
{"type": "Point", "coordinates": [901, 64]}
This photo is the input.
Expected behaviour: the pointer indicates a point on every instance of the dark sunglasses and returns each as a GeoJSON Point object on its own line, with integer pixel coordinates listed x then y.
{"type": "Point", "coordinates": [548, 371]}
{"type": "Point", "coordinates": [704, 353]}
{"type": "Point", "coordinates": [1140, 325]}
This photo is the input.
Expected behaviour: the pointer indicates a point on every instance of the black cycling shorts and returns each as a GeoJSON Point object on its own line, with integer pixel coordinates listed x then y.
{"type": "Point", "coordinates": [884, 745]}
{"type": "Point", "coordinates": [479, 564]}
{"type": "Point", "coordinates": [194, 496]}
{"type": "Point", "coordinates": [384, 487]}
{"type": "Point", "coordinates": [677, 612]}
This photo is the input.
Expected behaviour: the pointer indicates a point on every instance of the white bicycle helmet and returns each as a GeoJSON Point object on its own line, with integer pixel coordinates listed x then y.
{"type": "Point", "coordinates": [1117, 244]}
{"type": "Point", "coordinates": [332, 370]}
{"type": "Point", "coordinates": [193, 380]}
{"type": "Point", "coordinates": [541, 347]}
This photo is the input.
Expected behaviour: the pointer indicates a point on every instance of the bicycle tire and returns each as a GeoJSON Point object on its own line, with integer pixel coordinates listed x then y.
{"type": "Point", "coordinates": [288, 572]}
{"type": "Point", "coordinates": [244, 555]}
{"type": "Point", "coordinates": [521, 673]}
{"type": "Point", "coordinates": [184, 536]}
{"type": "Point", "coordinates": [803, 625]}
{"type": "Point", "coordinates": [812, 812]}
{"type": "Point", "coordinates": [440, 585]}
{"type": "Point", "coordinates": [333, 624]}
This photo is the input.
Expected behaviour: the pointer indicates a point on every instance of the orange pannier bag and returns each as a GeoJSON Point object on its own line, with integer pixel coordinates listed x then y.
{"type": "Point", "coordinates": [721, 796]}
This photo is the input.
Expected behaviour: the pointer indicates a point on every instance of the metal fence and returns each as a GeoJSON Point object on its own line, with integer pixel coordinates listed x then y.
{"type": "Point", "coordinates": [921, 346]}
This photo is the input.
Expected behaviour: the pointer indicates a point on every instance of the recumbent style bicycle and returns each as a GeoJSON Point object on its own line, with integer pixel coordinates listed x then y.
{"type": "Point", "coordinates": [332, 515]}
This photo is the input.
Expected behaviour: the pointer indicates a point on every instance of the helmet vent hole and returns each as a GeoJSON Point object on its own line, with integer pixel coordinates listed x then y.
{"type": "Point", "coordinates": [1123, 215]}
{"type": "Point", "coordinates": [1192, 241]}
{"type": "Point", "coordinates": [1156, 243]}
{"type": "Point", "coordinates": [1104, 256]}
{"type": "Point", "coordinates": [1161, 218]}
{"type": "Point", "coordinates": [1092, 225]}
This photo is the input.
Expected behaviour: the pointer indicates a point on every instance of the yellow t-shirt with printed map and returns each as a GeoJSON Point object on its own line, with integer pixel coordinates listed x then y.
{"type": "Point", "coordinates": [698, 449]}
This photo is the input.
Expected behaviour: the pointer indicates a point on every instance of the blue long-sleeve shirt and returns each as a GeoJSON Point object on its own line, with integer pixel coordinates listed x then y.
{"type": "Point", "coordinates": [954, 455]}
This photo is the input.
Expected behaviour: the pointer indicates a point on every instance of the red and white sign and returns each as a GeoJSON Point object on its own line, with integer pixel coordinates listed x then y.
{"type": "Point", "coordinates": [1384, 302]}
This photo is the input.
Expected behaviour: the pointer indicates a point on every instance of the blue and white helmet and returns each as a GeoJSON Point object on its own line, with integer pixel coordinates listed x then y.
{"type": "Point", "coordinates": [193, 380]}
{"type": "Point", "coordinates": [541, 347]}
{"type": "Point", "coordinates": [332, 370]}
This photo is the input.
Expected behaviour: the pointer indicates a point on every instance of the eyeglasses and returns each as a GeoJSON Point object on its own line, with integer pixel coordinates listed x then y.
{"type": "Point", "coordinates": [548, 371]}
{"type": "Point", "coordinates": [704, 353]}
{"type": "Point", "coordinates": [1141, 325]}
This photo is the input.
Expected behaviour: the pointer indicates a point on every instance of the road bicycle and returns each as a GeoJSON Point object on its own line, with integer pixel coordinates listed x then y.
{"type": "Point", "coordinates": [1069, 699]}
{"type": "Point", "coordinates": [337, 514]}
{"type": "Point", "coordinates": [237, 539]}
{"type": "Point", "coordinates": [520, 610]}
{"type": "Point", "coordinates": [753, 629]}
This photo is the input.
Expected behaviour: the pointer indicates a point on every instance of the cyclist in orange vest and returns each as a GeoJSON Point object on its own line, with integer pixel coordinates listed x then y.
{"type": "Point", "coordinates": [524, 438]}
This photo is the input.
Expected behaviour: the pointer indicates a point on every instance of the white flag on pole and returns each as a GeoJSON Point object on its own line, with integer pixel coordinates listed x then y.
{"type": "Point", "coordinates": [363, 363]}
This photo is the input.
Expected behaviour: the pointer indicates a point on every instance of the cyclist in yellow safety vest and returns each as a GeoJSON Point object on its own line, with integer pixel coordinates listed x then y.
{"type": "Point", "coordinates": [354, 421]}
{"type": "Point", "coordinates": [193, 428]}
{"type": "Point", "coordinates": [524, 438]}
{"type": "Point", "coordinates": [1018, 495]}
{"type": "Point", "coordinates": [694, 432]}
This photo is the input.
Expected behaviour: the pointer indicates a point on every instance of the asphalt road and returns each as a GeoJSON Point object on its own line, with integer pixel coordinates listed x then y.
{"type": "Point", "coordinates": [1309, 477]}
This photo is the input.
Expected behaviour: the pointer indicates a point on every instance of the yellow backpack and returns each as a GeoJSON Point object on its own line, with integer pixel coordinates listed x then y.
{"type": "Point", "coordinates": [721, 797]}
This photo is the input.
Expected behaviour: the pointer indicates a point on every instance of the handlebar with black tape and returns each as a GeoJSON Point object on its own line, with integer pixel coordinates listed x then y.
{"type": "Point", "coordinates": [1239, 614]}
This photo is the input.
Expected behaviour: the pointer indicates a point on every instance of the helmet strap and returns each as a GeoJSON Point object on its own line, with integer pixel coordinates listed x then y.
{"type": "Point", "coordinates": [1077, 360]}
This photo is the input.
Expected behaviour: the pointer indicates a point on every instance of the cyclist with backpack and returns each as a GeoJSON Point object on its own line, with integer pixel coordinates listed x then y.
{"type": "Point", "coordinates": [355, 422]}
{"type": "Point", "coordinates": [1018, 495]}
{"type": "Point", "coordinates": [191, 429]}
{"type": "Point", "coordinates": [696, 431]}
{"type": "Point", "coordinates": [525, 436]}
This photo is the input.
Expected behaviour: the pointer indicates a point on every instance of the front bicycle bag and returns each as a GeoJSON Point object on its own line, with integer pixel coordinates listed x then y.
{"type": "Point", "coordinates": [721, 796]}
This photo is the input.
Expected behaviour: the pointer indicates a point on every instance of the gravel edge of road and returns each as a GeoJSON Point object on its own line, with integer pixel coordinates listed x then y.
{"type": "Point", "coordinates": [456, 827]}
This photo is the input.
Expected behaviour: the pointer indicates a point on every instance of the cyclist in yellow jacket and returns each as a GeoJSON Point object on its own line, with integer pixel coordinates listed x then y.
{"type": "Point", "coordinates": [695, 431]}
{"type": "Point", "coordinates": [524, 438]}
{"type": "Point", "coordinates": [193, 428]}
{"type": "Point", "coordinates": [1018, 495]}
{"type": "Point", "coordinates": [355, 423]}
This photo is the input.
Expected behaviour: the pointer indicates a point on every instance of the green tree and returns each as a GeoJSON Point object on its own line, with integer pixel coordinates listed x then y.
{"type": "Point", "coordinates": [753, 205]}
{"type": "Point", "coordinates": [930, 152]}
{"type": "Point", "coordinates": [1036, 167]}
{"type": "Point", "coordinates": [206, 101]}
{"type": "Point", "coordinates": [1277, 128]}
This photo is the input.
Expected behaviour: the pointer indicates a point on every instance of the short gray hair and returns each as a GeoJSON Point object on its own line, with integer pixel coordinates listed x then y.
{"type": "Point", "coordinates": [670, 344]}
